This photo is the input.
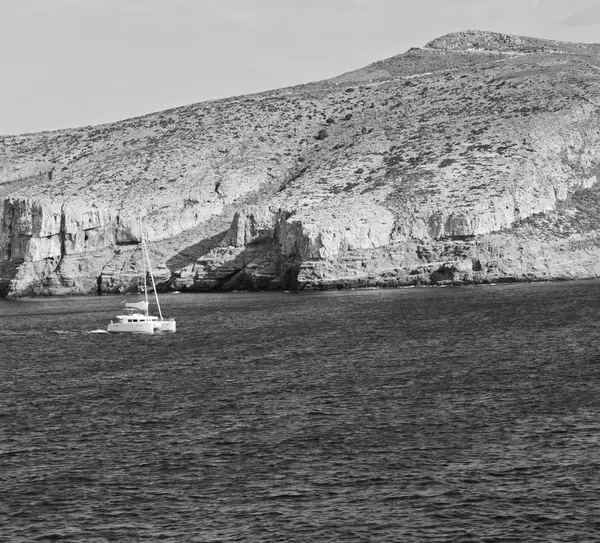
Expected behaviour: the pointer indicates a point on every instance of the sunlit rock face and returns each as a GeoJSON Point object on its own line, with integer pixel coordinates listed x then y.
{"type": "Point", "coordinates": [328, 233]}
{"type": "Point", "coordinates": [473, 159]}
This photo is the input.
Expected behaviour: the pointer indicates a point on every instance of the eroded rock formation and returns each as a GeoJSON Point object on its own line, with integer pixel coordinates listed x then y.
{"type": "Point", "coordinates": [472, 159]}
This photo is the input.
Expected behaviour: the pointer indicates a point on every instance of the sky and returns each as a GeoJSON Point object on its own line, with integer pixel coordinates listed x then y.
{"type": "Point", "coordinates": [68, 63]}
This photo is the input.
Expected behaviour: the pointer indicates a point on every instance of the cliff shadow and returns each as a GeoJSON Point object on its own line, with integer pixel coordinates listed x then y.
{"type": "Point", "coordinates": [191, 253]}
{"type": "Point", "coordinates": [257, 266]}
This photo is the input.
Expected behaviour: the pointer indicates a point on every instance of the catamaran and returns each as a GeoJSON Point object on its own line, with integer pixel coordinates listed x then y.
{"type": "Point", "coordinates": [136, 318]}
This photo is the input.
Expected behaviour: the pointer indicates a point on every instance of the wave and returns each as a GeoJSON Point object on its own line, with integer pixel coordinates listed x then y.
{"type": "Point", "coordinates": [21, 333]}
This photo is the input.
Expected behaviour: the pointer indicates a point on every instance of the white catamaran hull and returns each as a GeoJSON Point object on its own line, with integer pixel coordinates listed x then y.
{"type": "Point", "coordinates": [165, 326]}
{"type": "Point", "coordinates": [145, 327]}
{"type": "Point", "coordinates": [131, 327]}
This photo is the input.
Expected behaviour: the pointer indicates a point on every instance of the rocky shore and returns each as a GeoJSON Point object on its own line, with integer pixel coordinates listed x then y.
{"type": "Point", "coordinates": [474, 159]}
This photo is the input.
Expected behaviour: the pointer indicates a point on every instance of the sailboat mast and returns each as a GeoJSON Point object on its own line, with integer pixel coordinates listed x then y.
{"type": "Point", "coordinates": [154, 286]}
{"type": "Point", "coordinates": [144, 257]}
{"type": "Point", "coordinates": [147, 262]}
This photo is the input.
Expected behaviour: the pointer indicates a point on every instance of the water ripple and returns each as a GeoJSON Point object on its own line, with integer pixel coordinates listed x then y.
{"type": "Point", "coordinates": [417, 415]}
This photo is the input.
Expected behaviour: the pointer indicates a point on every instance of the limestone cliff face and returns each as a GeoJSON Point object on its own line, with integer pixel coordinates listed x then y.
{"type": "Point", "coordinates": [472, 159]}
{"type": "Point", "coordinates": [55, 248]}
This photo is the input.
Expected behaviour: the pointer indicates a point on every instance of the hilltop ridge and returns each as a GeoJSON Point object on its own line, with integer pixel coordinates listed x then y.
{"type": "Point", "coordinates": [468, 40]}
{"type": "Point", "coordinates": [474, 158]}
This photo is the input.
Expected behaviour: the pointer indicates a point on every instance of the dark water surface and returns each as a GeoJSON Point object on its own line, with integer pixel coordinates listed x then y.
{"type": "Point", "coordinates": [458, 414]}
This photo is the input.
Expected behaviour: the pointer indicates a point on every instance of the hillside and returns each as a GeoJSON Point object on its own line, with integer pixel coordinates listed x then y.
{"type": "Point", "coordinates": [472, 159]}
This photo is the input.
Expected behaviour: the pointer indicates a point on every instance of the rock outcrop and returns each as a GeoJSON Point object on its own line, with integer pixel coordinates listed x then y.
{"type": "Point", "coordinates": [472, 159]}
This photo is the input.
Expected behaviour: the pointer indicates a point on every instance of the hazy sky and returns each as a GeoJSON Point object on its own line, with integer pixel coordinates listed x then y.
{"type": "Point", "coordinates": [68, 63]}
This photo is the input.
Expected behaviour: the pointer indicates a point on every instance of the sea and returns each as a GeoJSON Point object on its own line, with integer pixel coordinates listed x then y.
{"type": "Point", "coordinates": [424, 414]}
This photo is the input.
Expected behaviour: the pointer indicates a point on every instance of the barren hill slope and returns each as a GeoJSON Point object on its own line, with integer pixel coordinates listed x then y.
{"type": "Point", "coordinates": [472, 159]}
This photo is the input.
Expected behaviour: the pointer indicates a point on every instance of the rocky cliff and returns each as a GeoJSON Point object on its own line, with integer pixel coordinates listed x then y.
{"type": "Point", "coordinates": [472, 159]}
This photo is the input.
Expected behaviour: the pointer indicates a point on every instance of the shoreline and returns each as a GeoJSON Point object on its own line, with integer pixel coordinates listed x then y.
{"type": "Point", "coordinates": [329, 288]}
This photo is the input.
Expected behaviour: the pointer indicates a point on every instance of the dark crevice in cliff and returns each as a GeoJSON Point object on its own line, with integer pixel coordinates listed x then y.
{"type": "Point", "coordinates": [290, 277]}
{"type": "Point", "coordinates": [9, 232]}
{"type": "Point", "coordinates": [127, 242]}
{"type": "Point", "coordinates": [456, 237]}
{"type": "Point", "coordinates": [62, 234]}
